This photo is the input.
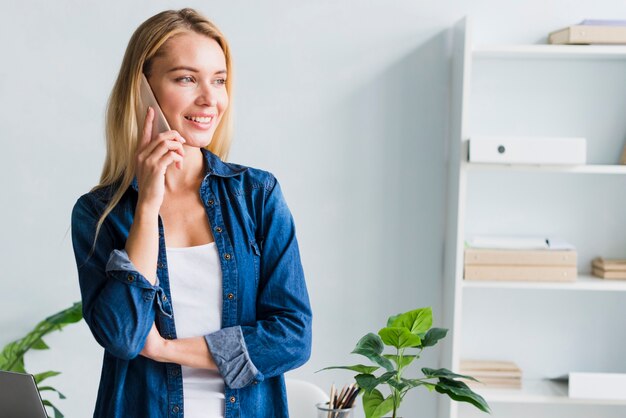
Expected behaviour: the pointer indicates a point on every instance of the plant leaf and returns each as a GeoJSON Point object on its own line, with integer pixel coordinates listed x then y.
{"type": "Point", "coordinates": [42, 376]}
{"type": "Point", "coordinates": [399, 337]}
{"type": "Point", "coordinates": [445, 373]}
{"type": "Point", "coordinates": [391, 319]}
{"type": "Point", "coordinates": [368, 382]}
{"type": "Point", "coordinates": [359, 368]}
{"type": "Point", "coordinates": [57, 413]}
{"type": "Point", "coordinates": [371, 346]}
{"type": "Point", "coordinates": [417, 321]}
{"type": "Point", "coordinates": [433, 336]}
{"type": "Point", "coordinates": [39, 345]}
{"type": "Point", "coordinates": [406, 359]}
{"type": "Point", "coordinates": [375, 405]}
{"type": "Point", "coordinates": [46, 388]}
{"type": "Point", "coordinates": [461, 393]}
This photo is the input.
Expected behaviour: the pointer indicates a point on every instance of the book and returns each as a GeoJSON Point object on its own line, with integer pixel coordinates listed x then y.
{"type": "Point", "coordinates": [521, 273]}
{"type": "Point", "coordinates": [589, 34]}
{"type": "Point", "coordinates": [609, 264]}
{"type": "Point", "coordinates": [603, 22]}
{"type": "Point", "coordinates": [480, 256]}
{"type": "Point", "coordinates": [616, 274]}
{"type": "Point", "coordinates": [496, 374]}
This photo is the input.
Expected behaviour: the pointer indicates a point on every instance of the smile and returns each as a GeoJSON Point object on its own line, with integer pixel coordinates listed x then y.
{"type": "Point", "coordinates": [200, 119]}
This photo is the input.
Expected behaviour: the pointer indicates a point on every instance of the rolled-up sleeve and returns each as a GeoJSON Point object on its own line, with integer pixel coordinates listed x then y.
{"type": "Point", "coordinates": [119, 304]}
{"type": "Point", "coordinates": [280, 340]}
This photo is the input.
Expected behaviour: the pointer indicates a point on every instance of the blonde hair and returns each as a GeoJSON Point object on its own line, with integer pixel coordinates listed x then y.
{"type": "Point", "coordinates": [122, 127]}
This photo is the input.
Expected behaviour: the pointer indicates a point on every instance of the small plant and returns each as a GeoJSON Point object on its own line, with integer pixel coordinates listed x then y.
{"type": "Point", "coordinates": [409, 333]}
{"type": "Point", "coordinates": [12, 355]}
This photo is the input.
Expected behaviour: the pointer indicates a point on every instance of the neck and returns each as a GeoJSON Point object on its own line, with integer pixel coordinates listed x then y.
{"type": "Point", "coordinates": [190, 175]}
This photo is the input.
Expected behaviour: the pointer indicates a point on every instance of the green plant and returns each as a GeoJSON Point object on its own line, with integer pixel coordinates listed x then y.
{"type": "Point", "coordinates": [409, 333]}
{"type": "Point", "coordinates": [12, 355]}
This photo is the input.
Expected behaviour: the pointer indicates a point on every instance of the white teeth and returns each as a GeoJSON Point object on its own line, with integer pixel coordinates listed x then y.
{"type": "Point", "coordinates": [199, 119]}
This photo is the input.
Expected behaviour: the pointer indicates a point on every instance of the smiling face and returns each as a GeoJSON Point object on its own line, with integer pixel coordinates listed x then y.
{"type": "Point", "coordinates": [189, 81]}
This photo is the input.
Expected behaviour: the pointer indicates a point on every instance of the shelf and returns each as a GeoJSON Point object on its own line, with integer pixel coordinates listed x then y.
{"type": "Point", "coordinates": [582, 169]}
{"type": "Point", "coordinates": [595, 52]}
{"type": "Point", "coordinates": [583, 282]}
{"type": "Point", "coordinates": [540, 391]}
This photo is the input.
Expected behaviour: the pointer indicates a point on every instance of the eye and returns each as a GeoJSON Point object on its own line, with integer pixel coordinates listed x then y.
{"type": "Point", "coordinates": [220, 81]}
{"type": "Point", "coordinates": [185, 79]}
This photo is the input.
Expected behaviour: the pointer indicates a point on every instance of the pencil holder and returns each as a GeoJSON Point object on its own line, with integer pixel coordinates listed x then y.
{"type": "Point", "coordinates": [323, 411]}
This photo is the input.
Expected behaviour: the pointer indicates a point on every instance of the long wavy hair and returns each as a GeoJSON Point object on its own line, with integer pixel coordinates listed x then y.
{"type": "Point", "coordinates": [122, 121]}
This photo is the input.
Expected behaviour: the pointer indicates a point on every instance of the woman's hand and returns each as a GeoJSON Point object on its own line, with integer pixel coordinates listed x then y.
{"type": "Point", "coordinates": [153, 157]}
{"type": "Point", "coordinates": [154, 348]}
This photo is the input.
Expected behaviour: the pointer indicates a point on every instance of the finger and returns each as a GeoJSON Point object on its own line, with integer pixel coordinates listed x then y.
{"type": "Point", "coordinates": [147, 128]}
{"type": "Point", "coordinates": [164, 136]}
{"type": "Point", "coordinates": [169, 158]}
{"type": "Point", "coordinates": [157, 148]}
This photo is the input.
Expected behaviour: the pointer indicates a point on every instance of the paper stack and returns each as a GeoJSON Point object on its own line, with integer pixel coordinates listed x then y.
{"type": "Point", "coordinates": [609, 268]}
{"type": "Point", "coordinates": [591, 32]}
{"type": "Point", "coordinates": [496, 374]}
{"type": "Point", "coordinates": [519, 259]}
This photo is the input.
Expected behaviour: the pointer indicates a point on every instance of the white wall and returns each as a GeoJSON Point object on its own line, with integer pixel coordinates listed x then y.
{"type": "Point", "coordinates": [346, 102]}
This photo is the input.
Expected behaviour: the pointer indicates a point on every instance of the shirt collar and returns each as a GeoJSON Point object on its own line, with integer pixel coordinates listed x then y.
{"type": "Point", "coordinates": [214, 166]}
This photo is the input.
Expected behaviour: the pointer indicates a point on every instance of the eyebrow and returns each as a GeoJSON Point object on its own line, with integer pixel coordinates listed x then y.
{"type": "Point", "coordinates": [195, 70]}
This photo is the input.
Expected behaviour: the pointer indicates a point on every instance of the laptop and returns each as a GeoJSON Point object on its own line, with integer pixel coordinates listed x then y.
{"type": "Point", "coordinates": [19, 397]}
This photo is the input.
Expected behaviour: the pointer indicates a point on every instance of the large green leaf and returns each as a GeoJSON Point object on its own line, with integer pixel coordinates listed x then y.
{"type": "Point", "coordinates": [368, 382]}
{"type": "Point", "coordinates": [40, 377]}
{"type": "Point", "coordinates": [399, 337]}
{"type": "Point", "coordinates": [445, 373]}
{"type": "Point", "coordinates": [461, 393]}
{"type": "Point", "coordinates": [417, 321]}
{"type": "Point", "coordinates": [50, 388]}
{"type": "Point", "coordinates": [359, 368]}
{"type": "Point", "coordinates": [375, 405]}
{"type": "Point", "coordinates": [406, 359]}
{"type": "Point", "coordinates": [371, 346]}
{"type": "Point", "coordinates": [433, 336]}
{"type": "Point", "coordinates": [57, 413]}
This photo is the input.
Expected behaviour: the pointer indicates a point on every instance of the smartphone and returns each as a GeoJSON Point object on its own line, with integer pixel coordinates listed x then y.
{"type": "Point", "coordinates": [146, 98]}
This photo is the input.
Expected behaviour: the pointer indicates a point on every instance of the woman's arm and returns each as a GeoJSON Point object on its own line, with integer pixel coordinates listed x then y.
{"type": "Point", "coordinates": [190, 352]}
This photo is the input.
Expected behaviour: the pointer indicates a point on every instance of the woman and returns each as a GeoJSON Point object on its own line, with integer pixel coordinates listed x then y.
{"type": "Point", "coordinates": [189, 267]}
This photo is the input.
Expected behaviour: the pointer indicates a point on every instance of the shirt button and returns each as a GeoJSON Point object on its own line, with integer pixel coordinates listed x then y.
{"type": "Point", "coordinates": [176, 372]}
{"type": "Point", "coordinates": [210, 202]}
{"type": "Point", "coordinates": [164, 298]}
{"type": "Point", "coordinates": [254, 382]}
{"type": "Point", "coordinates": [175, 409]}
{"type": "Point", "coordinates": [218, 229]}
{"type": "Point", "coordinates": [130, 278]}
{"type": "Point", "coordinates": [160, 265]}
{"type": "Point", "coordinates": [231, 296]}
{"type": "Point", "coordinates": [227, 256]}
{"type": "Point", "coordinates": [232, 399]}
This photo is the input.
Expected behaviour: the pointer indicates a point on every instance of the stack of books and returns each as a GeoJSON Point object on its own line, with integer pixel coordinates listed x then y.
{"type": "Point", "coordinates": [493, 374]}
{"type": "Point", "coordinates": [591, 31]}
{"type": "Point", "coordinates": [519, 259]}
{"type": "Point", "coordinates": [609, 268]}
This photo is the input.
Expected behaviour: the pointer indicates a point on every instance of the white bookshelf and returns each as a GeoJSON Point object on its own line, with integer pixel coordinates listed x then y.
{"type": "Point", "coordinates": [541, 392]}
{"type": "Point", "coordinates": [583, 282]}
{"type": "Point", "coordinates": [537, 90]}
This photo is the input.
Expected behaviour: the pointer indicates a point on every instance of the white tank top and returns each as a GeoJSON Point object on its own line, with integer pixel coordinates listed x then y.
{"type": "Point", "coordinates": [196, 288]}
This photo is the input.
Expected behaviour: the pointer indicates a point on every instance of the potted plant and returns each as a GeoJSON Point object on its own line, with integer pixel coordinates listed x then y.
{"type": "Point", "coordinates": [408, 334]}
{"type": "Point", "coordinates": [12, 355]}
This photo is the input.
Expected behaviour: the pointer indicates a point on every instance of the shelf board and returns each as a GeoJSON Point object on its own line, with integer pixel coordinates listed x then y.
{"type": "Point", "coordinates": [539, 391]}
{"type": "Point", "coordinates": [582, 169]}
{"type": "Point", "coordinates": [583, 282]}
{"type": "Point", "coordinates": [617, 52]}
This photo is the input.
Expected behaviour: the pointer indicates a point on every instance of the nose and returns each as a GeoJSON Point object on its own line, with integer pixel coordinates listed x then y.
{"type": "Point", "coordinates": [206, 95]}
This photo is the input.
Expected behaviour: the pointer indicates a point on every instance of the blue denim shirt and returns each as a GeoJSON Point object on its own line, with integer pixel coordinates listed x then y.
{"type": "Point", "coordinates": [266, 315]}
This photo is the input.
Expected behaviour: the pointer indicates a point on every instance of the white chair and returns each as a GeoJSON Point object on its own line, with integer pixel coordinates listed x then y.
{"type": "Point", "coordinates": [302, 397]}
